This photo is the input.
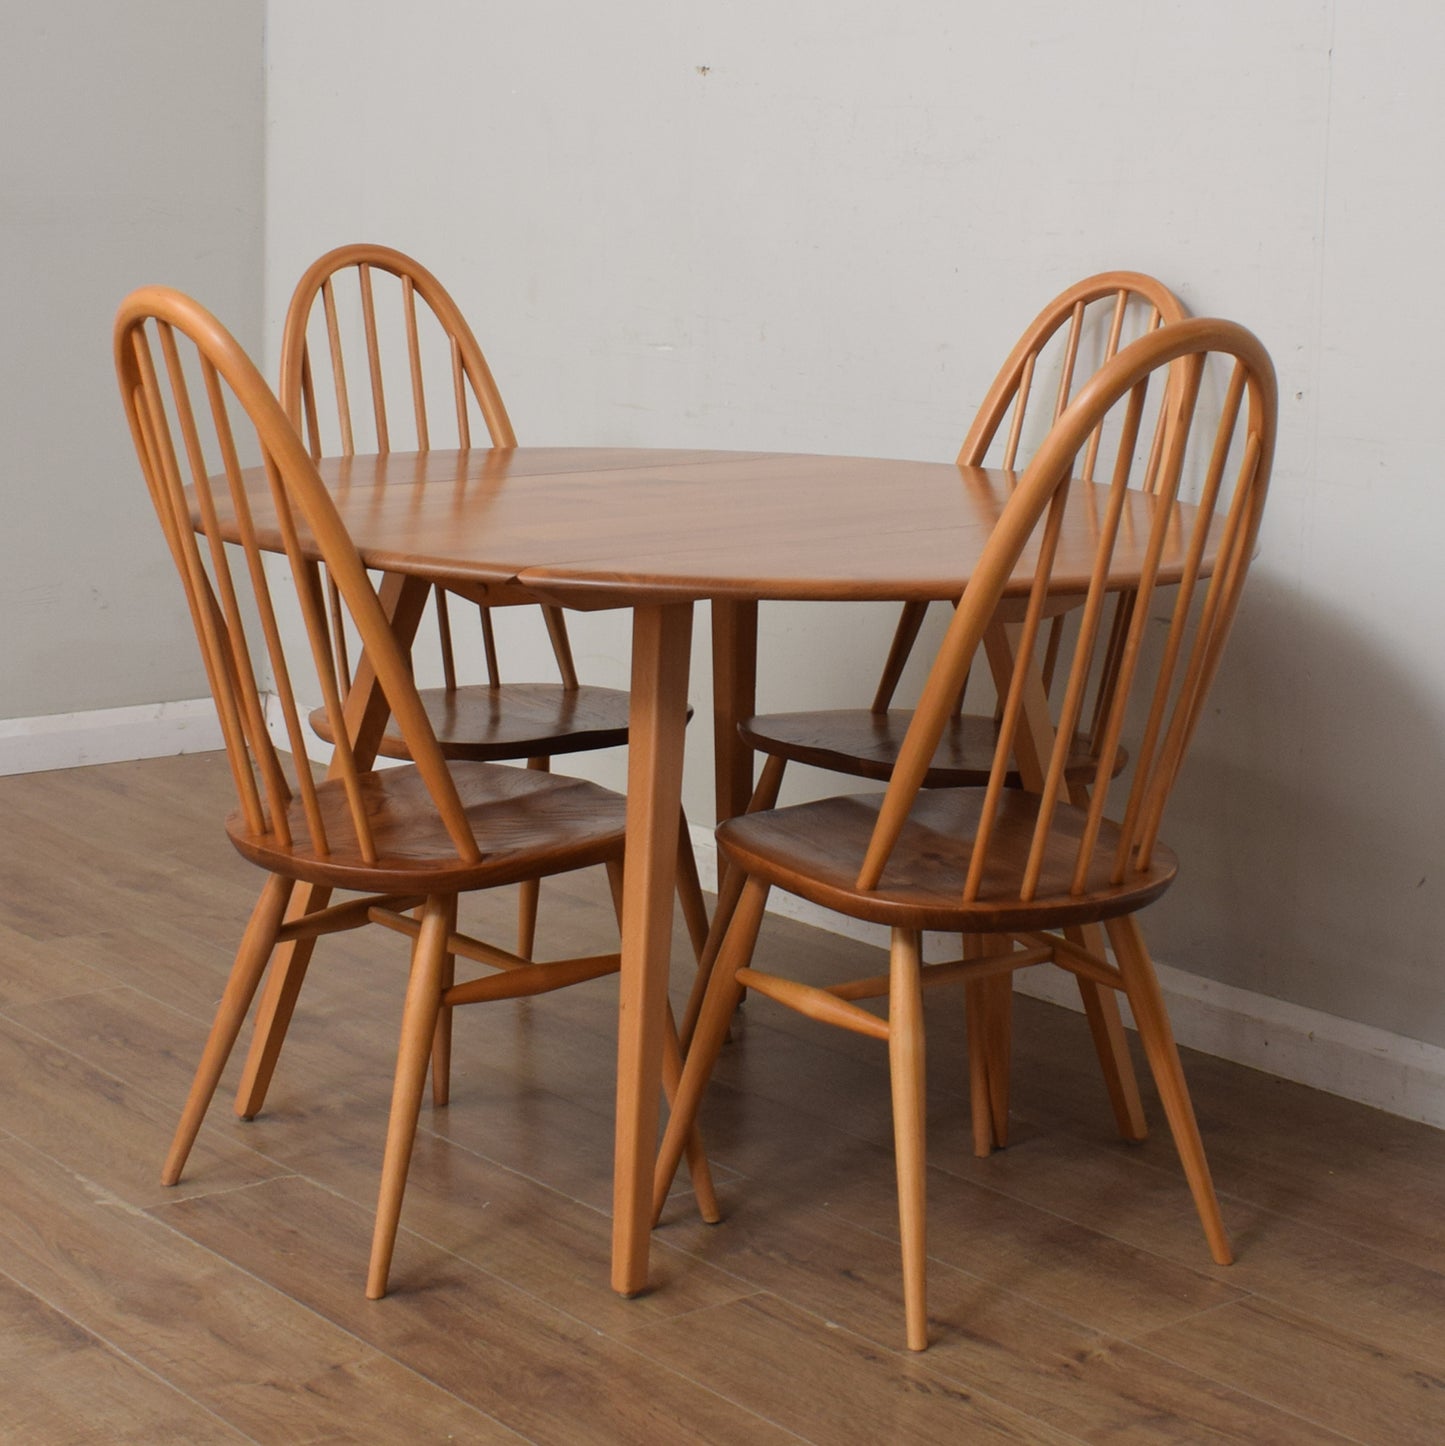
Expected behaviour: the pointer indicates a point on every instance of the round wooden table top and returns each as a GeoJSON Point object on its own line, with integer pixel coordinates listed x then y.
{"type": "Point", "coordinates": [598, 527]}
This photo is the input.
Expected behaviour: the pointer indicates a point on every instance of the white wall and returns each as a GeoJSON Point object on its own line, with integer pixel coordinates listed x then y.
{"type": "Point", "coordinates": [132, 153]}
{"type": "Point", "coordinates": [820, 225]}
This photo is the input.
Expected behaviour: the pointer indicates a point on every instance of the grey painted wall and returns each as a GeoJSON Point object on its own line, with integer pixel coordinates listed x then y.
{"type": "Point", "coordinates": [820, 225]}
{"type": "Point", "coordinates": [132, 153]}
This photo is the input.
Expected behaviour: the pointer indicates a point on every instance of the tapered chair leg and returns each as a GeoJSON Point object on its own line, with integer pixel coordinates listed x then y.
{"type": "Point", "coordinates": [730, 889]}
{"type": "Point", "coordinates": [255, 949]}
{"type": "Point", "coordinates": [689, 890]}
{"type": "Point", "coordinates": [278, 1004]}
{"type": "Point", "coordinates": [1152, 1018]}
{"type": "Point", "coordinates": [998, 997]}
{"type": "Point", "coordinates": [441, 1047]}
{"type": "Point", "coordinates": [906, 1071]}
{"type": "Point", "coordinates": [712, 1028]}
{"type": "Point", "coordinates": [1111, 1043]}
{"type": "Point", "coordinates": [975, 1004]}
{"type": "Point", "coordinates": [699, 1171]}
{"type": "Point", "coordinates": [529, 891]}
{"type": "Point", "coordinates": [418, 1027]}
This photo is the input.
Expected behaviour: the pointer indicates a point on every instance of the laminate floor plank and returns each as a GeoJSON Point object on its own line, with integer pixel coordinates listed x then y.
{"type": "Point", "coordinates": [488, 1216]}
{"type": "Point", "coordinates": [35, 970]}
{"type": "Point", "coordinates": [53, 1371]}
{"type": "Point", "coordinates": [982, 1336]}
{"type": "Point", "coordinates": [1071, 1294]}
{"type": "Point", "coordinates": [1054, 1262]}
{"type": "Point", "coordinates": [248, 1353]}
{"type": "Point", "coordinates": [1391, 1303]}
{"type": "Point", "coordinates": [534, 1367]}
{"type": "Point", "coordinates": [96, 1124]}
{"type": "Point", "coordinates": [1322, 1372]}
{"type": "Point", "coordinates": [828, 1385]}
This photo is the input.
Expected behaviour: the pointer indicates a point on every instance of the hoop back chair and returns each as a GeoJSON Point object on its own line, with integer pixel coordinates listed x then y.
{"type": "Point", "coordinates": [365, 323]}
{"type": "Point", "coordinates": [1021, 867]}
{"type": "Point", "coordinates": [452, 400]}
{"type": "Point", "coordinates": [409, 838]}
{"type": "Point", "coordinates": [1080, 330]}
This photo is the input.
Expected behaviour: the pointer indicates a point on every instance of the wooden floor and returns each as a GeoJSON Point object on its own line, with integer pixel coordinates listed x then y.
{"type": "Point", "coordinates": [1072, 1298]}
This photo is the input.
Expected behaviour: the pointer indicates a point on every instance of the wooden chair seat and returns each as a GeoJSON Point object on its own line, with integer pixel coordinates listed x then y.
{"type": "Point", "coordinates": [527, 825]}
{"type": "Point", "coordinates": [865, 744]}
{"type": "Point", "coordinates": [815, 849]}
{"type": "Point", "coordinates": [486, 724]}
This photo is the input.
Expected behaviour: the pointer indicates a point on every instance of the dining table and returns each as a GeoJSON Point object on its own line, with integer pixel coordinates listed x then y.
{"type": "Point", "coordinates": [656, 531]}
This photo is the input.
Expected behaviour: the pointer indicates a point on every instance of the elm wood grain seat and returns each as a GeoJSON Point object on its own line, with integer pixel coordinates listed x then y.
{"type": "Point", "coordinates": [1017, 868]}
{"type": "Point", "coordinates": [410, 838]}
{"type": "Point", "coordinates": [1079, 330]}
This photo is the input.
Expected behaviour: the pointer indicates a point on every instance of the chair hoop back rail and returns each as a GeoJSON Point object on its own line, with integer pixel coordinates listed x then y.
{"type": "Point", "coordinates": [1121, 304]}
{"type": "Point", "coordinates": [409, 838]}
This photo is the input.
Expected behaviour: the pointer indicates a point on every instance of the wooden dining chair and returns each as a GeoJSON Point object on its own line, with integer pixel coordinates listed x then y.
{"type": "Point", "coordinates": [341, 414]}
{"type": "Point", "coordinates": [367, 324]}
{"type": "Point", "coordinates": [405, 839]}
{"type": "Point", "coordinates": [1080, 330]}
{"type": "Point", "coordinates": [1018, 867]}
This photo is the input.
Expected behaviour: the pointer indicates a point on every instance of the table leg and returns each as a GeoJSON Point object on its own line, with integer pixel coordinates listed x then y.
{"type": "Point", "coordinates": [403, 599]}
{"type": "Point", "coordinates": [734, 695]}
{"type": "Point", "coordinates": [661, 643]}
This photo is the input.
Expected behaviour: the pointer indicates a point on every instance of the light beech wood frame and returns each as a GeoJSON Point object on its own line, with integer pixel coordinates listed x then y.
{"type": "Point", "coordinates": [1024, 870]}
{"type": "Point", "coordinates": [409, 838]}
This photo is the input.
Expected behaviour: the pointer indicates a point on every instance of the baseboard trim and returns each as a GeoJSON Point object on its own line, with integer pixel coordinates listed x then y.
{"type": "Point", "coordinates": [1356, 1061]}
{"type": "Point", "coordinates": [108, 735]}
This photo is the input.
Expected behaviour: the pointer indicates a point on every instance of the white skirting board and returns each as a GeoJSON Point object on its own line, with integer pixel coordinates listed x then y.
{"type": "Point", "coordinates": [1357, 1061]}
{"type": "Point", "coordinates": [108, 735]}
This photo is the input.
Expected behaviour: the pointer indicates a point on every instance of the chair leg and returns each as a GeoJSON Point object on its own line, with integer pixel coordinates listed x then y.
{"type": "Point", "coordinates": [441, 1046]}
{"type": "Point", "coordinates": [689, 890]}
{"type": "Point", "coordinates": [698, 1169]}
{"type": "Point", "coordinates": [1111, 1043]}
{"type": "Point", "coordinates": [712, 1027]}
{"type": "Point", "coordinates": [418, 1027]}
{"type": "Point", "coordinates": [906, 1071]}
{"type": "Point", "coordinates": [252, 955]}
{"type": "Point", "coordinates": [278, 1004]}
{"type": "Point", "coordinates": [730, 890]}
{"type": "Point", "coordinates": [975, 1004]}
{"type": "Point", "coordinates": [998, 995]}
{"type": "Point", "coordinates": [1154, 1030]}
{"type": "Point", "coordinates": [530, 890]}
